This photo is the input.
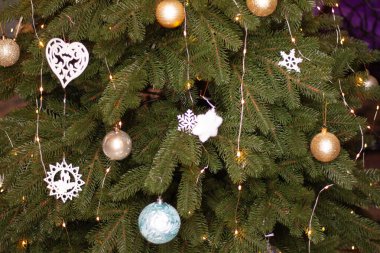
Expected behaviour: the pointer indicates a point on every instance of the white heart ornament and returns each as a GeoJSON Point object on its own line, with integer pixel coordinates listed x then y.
{"type": "Point", "coordinates": [67, 60]}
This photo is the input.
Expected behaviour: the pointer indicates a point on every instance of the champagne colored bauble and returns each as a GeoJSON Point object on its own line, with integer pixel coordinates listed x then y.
{"type": "Point", "coordinates": [170, 13]}
{"type": "Point", "coordinates": [9, 52]}
{"type": "Point", "coordinates": [325, 146]}
{"type": "Point", "coordinates": [370, 82]}
{"type": "Point", "coordinates": [262, 8]}
{"type": "Point", "coordinates": [117, 145]}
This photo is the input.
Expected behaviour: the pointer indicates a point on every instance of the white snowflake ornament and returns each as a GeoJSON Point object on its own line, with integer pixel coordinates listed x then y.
{"type": "Point", "coordinates": [187, 121]}
{"type": "Point", "coordinates": [64, 181]}
{"type": "Point", "coordinates": [207, 125]}
{"type": "Point", "coordinates": [290, 62]}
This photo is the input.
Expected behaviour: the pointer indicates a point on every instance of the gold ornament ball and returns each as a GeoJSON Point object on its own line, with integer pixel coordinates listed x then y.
{"type": "Point", "coordinates": [262, 8]}
{"type": "Point", "coordinates": [9, 52]}
{"type": "Point", "coordinates": [117, 145]}
{"type": "Point", "coordinates": [170, 13]}
{"type": "Point", "coordinates": [325, 146]}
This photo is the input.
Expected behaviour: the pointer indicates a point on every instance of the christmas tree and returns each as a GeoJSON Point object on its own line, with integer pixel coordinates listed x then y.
{"type": "Point", "coordinates": [219, 100]}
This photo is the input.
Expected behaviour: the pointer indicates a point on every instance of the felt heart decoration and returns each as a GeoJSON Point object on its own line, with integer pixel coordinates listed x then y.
{"type": "Point", "coordinates": [67, 60]}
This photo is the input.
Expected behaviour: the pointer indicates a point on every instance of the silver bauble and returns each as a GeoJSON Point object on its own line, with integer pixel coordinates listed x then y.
{"type": "Point", "coordinates": [117, 145]}
{"type": "Point", "coordinates": [370, 82]}
{"type": "Point", "coordinates": [9, 52]}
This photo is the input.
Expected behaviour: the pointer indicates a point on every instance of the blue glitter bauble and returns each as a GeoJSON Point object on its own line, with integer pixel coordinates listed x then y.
{"type": "Point", "coordinates": [159, 222]}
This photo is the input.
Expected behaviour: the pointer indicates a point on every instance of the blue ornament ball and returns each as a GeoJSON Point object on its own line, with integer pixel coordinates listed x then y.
{"type": "Point", "coordinates": [159, 222]}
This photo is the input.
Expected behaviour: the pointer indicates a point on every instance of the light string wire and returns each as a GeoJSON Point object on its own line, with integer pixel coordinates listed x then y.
{"type": "Point", "coordinates": [34, 22]}
{"type": "Point", "coordinates": [339, 39]}
{"type": "Point", "coordinates": [242, 102]}
{"type": "Point", "coordinates": [352, 111]}
{"type": "Point", "coordinates": [2, 177]}
{"type": "Point", "coordinates": [18, 28]}
{"type": "Point", "coordinates": [375, 116]}
{"type": "Point", "coordinates": [9, 138]}
{"type": "Point", "coordinates": [187, 54]}
{"type": "Point", "coordinates": [39, 100]}
{"type": "Point", "coordinates": [64, 226]}
{"type": "Point", "coordinates": [309, 231]}
{"type": "Point", "coordinates": [240, 188]}
{"type": "Point", "coordinates": [267, 239]}
{"type": "Point", "coordinates": [101, 193]}
{"type": "Point", "coordinates": [39, 103]}
{"type": "Point", "coordinates": [110, 76]}
{"type": "Point", "coordinates": [337, 28]}
{"type": "Point", "coordinates": [293, 39]}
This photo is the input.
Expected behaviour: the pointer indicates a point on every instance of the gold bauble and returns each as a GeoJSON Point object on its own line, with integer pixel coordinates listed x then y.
{"type": "Point", "coordinates": [9, 52]}
{"type": "Point", "coordinates": [325, 146]}
{"type": "Point", "coordinates": [262, 8]}
{"type": "Point", "coordinates": [170, 13]}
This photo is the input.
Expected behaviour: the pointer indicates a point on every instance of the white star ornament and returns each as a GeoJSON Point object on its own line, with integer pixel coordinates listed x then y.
{"type": "Point", "coordinates": [207, 125]}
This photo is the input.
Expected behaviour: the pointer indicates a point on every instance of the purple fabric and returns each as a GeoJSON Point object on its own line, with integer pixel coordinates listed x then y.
{"type": "Point", "coordinates": [362, 20]}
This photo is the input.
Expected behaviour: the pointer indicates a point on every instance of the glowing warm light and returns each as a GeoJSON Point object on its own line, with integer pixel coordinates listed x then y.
{"type": "Point", "coordinates": [236, 232]}
{"type": "Point", "coordinates": [323, 229]}
{"type": "Point", "coordinates": [188, 85]}
{"type": "Point", "coordinates": [242, 101]}
{"type": "Point", "coordinates": [1, 190]}
{"type": "Point", "coordinates": [204, 238]}
{"type": "Point", "coordinates": [352, 111]}
{"type": "Point", "coordinates": [337, 5]}
{"type": "Point", "coordinates": [41, 44]}
{"type": "Point", "coordinates": [111, 77]}
{"type": "Point", "coordinates": [238, 17]}
{"type": "Point", "coordinates": [24, 243]}
{"type": "Point", "coordinates": [369, 127]}
{"type": "Point", "coordinates": [239, 187]}
{"type": "Point", "coordinates": [63, 224]}
{"type": "Point", "coordinates": [352, 212]}
{"type": "Point", "coordinates": [41, 89]}
{"type": "Point", "coordinates": [293, 40]}
{"type": "Point", "coordinates": [319, 8]}
{"type": "Point", "coordinates": [42, 26]}
{"type": "Point", "coordinates": [353, 247]}
{"type": "Point", "coordinates": [342, 41]}
{"type": "Point", "coordinates": [97, 218]}
{"type": "Point", "coordinates": [23, 198]}
{"type": "Point", "coordinates": [238, 154]}
{"type": "Point", "coordinates": [108, 170]}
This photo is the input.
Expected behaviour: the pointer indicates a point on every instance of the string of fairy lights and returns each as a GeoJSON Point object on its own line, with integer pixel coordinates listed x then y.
{"type": "Point", "coordinates": [239, 152]}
